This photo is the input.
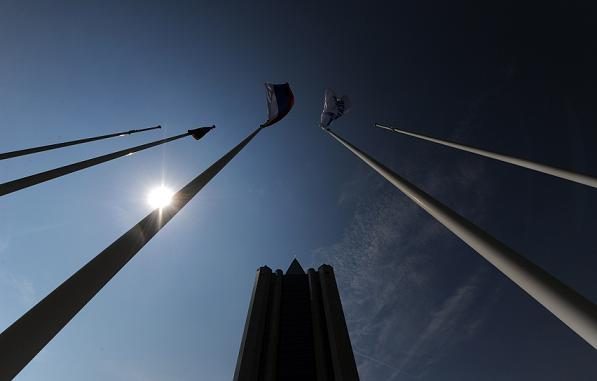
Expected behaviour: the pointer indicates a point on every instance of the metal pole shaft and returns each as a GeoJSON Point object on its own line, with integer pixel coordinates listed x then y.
{"type": "Point", "coordinates": [566, 304]}
{"type": "Point", "coordinates": [29, 181]}
{"type": "Point", "coordinates": [553, 171]}
{"type": "Point", "coordinates": [21, 342]}
{"type": "Point", "coordinates": [29, 151]}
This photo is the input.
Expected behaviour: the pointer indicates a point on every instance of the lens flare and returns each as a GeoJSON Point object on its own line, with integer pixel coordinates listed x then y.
{"type": "Point", "coordinates": [160, 197]}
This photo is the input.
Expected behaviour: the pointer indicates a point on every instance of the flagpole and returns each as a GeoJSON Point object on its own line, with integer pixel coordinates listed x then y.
{"type": "Point", "coordinates": [21, 342]}
{"type": "Point", "coordinates": [29, 151]}
{"type": "Point", "coordinates": [549, 170]}
{"type": "Point", "coordinates": [38, 178]}
{"type": "Point", "coordinates": [566, 304]}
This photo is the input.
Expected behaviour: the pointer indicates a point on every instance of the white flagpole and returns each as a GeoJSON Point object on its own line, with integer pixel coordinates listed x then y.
{"type": "Point", "coordinates": [557, 172]}
{"type": "Point", "coordinates": [566, 304]}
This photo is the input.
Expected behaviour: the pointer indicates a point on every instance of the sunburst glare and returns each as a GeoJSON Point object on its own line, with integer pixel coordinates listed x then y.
{"type": "Point", "coordinates": [160, 197]}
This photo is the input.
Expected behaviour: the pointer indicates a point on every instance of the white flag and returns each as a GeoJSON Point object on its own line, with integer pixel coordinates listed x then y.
{"type": "Point", "coordinates": [333, 107]}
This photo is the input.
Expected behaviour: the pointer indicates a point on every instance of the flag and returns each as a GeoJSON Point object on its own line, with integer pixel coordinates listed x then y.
{"type": "Point", "coordinates": [200, 132]}
{"type": "Point", "coordinates": [333, 107]}
{"type": "Point", "coordinates": [279, 102]}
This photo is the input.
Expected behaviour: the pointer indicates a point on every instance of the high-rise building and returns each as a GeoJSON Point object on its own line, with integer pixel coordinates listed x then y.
{"type": "Point", "coordinates": [295, 329]}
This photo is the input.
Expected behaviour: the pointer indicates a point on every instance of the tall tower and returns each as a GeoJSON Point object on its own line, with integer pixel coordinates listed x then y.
{"type": "Point", "coordinates": [295, 329]}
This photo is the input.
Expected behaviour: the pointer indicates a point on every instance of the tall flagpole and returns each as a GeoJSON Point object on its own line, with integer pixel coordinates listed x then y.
{"type": "Point", "coordinates": [566, 304]}
{"type": "Point", "coordinates": [553, 171]}
{"type": "Point", "coordinates": [20, 342]}
{"type": "Point", "coordinates": [29, 181]}
{"type": "Point", "coordinates": [29, 151]}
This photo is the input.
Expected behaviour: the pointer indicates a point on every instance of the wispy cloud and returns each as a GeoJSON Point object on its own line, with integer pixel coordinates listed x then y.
{"type": "Point", "coordinates": [22, 287]}
{"type": "Point", "coordinates": [124, 369]}
{"type": "Point", "coordinates": [444, 322]}
{"type": "Point", "coordinates": [405, 306]}
{"type": "Point", "coordinates": [379, 362]}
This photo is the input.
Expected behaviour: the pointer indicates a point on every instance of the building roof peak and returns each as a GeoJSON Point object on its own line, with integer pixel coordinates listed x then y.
{"type": "Point", "coordinates": [295, 268]}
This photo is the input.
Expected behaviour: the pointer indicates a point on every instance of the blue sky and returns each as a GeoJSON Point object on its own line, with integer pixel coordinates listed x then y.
{"type": "Point", "coordinates": [420, 304]}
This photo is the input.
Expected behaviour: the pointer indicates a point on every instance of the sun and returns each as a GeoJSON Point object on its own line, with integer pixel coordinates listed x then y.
{"type": "Point", "coordinates": [160, 197]}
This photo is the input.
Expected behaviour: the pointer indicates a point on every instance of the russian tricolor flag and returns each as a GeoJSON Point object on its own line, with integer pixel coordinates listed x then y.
{"type": "Point", "coordinates": [279, 102]}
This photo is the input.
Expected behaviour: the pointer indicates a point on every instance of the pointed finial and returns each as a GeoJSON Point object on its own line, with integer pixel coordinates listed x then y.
{"type": "Point", "coordinates": [200, 132]}
{"type": "Point", "coordinates": [295, 268]}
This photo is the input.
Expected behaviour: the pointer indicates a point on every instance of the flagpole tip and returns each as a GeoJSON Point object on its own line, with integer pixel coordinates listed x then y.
{"type": "Point", "coordinates": [200, 132]}
{"type": "Point", "coordinates": [130, 132]}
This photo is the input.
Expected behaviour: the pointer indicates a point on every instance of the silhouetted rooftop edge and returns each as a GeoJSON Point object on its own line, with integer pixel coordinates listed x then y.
{"type": "Point", "coordinates": [295, 268]}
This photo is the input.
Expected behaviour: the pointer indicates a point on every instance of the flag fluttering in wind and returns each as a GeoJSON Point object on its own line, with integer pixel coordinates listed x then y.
{"type": "Point", "coordinates": [279, 102]}
{"type": "Point", "coordinates": [333, 107]}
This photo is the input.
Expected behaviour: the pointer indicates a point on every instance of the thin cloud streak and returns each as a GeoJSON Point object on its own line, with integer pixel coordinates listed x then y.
{"type": "Point", "coordinates": [444, 321]}
{"type": "Point", "coordinates": [389, 272]}
{"type": "Point", "coordinates": [23, 288]}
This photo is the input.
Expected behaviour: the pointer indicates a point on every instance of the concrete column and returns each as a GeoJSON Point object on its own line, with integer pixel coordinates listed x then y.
{"type": "Point", "coordinates": [320, 345]}
{"type": "Point", "coordinates": [271, 348]}
{"type": "Point", "coordinates": [343, 363]}
{"type": "Point", "coordinates": [251, 348]}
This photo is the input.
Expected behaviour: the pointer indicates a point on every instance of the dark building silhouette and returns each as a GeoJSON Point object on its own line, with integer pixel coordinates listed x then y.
{"type": "Point", "coordinates": [295, 329]}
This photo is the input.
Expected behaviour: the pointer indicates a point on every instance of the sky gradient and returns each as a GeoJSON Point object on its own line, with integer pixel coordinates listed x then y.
{"type": "Point", "coordinates": [420, 305]}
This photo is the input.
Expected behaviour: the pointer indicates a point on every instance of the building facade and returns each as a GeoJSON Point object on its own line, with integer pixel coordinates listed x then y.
{"type": "Point", "coordinates": [295, 329]}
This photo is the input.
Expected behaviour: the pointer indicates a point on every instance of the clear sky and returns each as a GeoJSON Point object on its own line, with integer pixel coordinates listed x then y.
{"type": "Point", "coordinates": [420, 304]}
